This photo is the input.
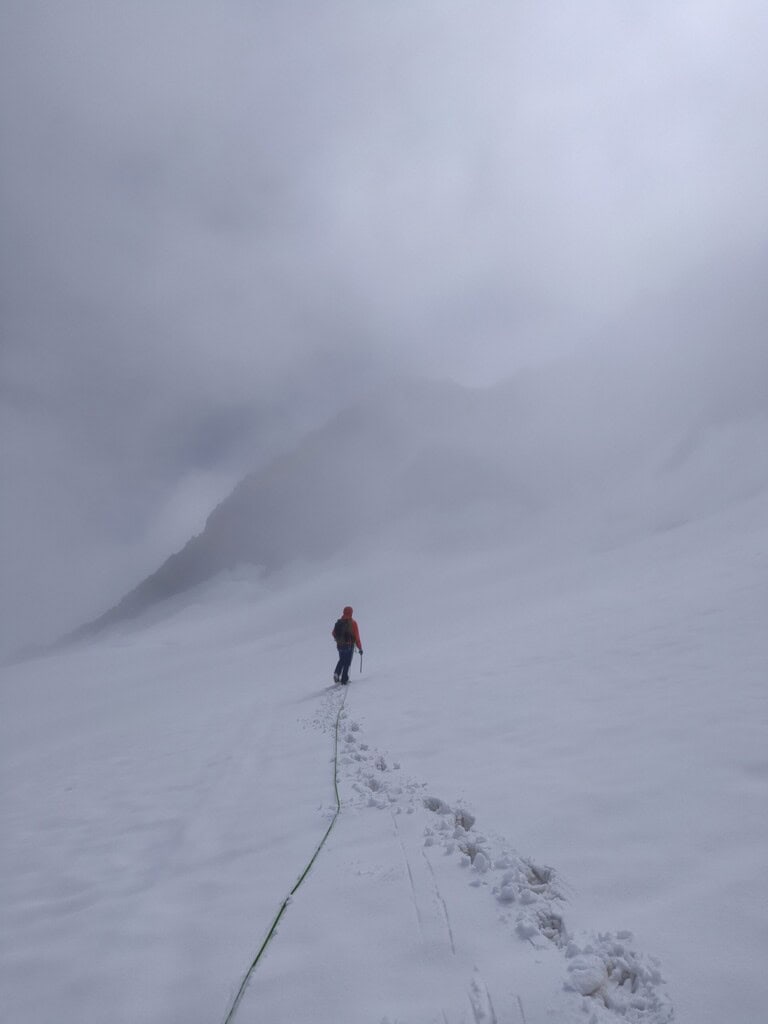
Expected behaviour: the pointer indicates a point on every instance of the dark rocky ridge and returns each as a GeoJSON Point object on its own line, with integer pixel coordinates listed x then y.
{"type": "Point", "coordinates": [372, 464]}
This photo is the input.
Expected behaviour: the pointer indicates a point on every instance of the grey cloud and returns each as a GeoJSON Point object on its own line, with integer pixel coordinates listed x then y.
{"type": "Point", "coordinates": [220, 220]}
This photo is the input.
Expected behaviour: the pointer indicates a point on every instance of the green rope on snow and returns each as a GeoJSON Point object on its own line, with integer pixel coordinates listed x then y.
{"type": "Point", "coordinates": [284, 905]}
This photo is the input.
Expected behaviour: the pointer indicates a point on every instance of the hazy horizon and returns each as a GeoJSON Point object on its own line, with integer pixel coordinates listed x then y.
{"type": "Point", "coordinates": [224, 223]}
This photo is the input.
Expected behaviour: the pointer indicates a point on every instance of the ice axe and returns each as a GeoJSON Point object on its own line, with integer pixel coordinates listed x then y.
{"type": "Point", "coordinates": [361, 662]}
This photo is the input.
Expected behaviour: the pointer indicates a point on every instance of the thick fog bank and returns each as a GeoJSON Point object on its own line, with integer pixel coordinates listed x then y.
{"type": "Point", "coordinates": [216, 226]}
{"type": "Point", "coordinates": [594, 449]}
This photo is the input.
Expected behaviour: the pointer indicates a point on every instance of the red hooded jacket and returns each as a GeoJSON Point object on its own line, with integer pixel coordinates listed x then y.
{"type": "Point", "coordinates": [347, 614]}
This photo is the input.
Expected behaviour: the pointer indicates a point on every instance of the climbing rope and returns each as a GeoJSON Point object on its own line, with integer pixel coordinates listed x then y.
{"type": "Point", "coordinates": [284, 905]}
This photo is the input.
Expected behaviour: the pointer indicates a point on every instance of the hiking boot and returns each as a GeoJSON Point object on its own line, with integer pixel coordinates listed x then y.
{"type": "Point", "coordinates": [337, 679]}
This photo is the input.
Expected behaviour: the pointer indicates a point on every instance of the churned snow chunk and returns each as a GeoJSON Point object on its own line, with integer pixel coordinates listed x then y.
{"type": "Point", "coordinates": [481, 863]}
{"type": "Point", "coordinates": [587, 975]}
{"type": "Point", "coordinates": [434, 803]}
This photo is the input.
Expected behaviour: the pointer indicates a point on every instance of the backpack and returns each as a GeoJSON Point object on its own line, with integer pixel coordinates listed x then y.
{"type": "Point", "coordinates": [343, 633]}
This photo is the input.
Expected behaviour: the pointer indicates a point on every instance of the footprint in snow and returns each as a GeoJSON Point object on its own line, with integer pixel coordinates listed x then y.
{"type": "Point", "coordinates": [606, 972]}
{"type": "Point", "coordinates": [612, 980]}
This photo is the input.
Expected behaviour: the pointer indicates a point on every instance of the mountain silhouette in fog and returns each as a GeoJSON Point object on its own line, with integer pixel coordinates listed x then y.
{"type": "Point", "coordinates": [428, 463]}
{"type": "Point", "coordinates": [411, 450]}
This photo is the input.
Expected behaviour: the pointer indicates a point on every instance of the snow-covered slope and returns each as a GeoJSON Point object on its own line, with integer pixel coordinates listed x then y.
{"type": "Point", "coordinates": [554, 742]}
{"type": "Point", "coordinates": [558, 739]}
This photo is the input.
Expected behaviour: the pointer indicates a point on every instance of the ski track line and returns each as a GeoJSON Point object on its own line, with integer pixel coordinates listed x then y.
{"type": "Point", "coordinates": [284, 905]}
{"type": "Point", "coordinates": [480, 1001]}
{"type": "Point", "coordinates": [441, 922]}
{"type": "Point", "coordinates": [441, 901]}
{"type": "Point", "coordinates": [419, 919]}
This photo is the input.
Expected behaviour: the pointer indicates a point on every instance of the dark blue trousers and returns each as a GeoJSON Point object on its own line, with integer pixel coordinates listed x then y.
{"type": "Point", "coordinates": [345, 660]}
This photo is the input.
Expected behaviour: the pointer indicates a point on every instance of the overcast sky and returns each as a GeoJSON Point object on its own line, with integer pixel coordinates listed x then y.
{"type": "Point", "coordinates": [221, 219]}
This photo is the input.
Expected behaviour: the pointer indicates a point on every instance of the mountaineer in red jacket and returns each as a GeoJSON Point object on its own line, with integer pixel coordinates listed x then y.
{"type": "Point", "coordinates": [347, 637]}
